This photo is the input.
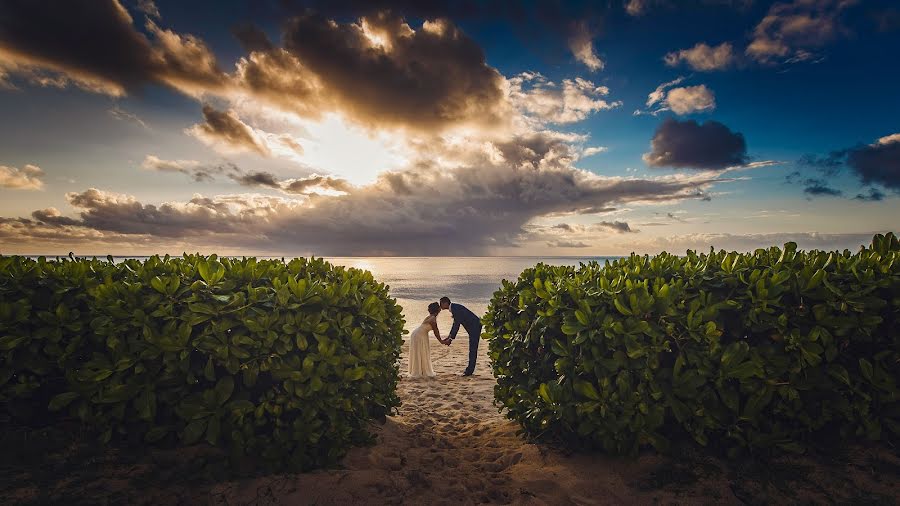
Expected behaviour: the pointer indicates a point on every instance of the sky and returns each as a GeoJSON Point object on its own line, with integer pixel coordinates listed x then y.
{"type": "Point", "coordinates": [446, 128]}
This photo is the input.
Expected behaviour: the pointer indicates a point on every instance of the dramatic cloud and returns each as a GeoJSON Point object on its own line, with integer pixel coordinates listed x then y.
{"type": "Point", "coordinates": [582, 45]}
{"type": "Point", "coordinates": [688, 144]}
{"type": "Point", "coordinates": [26, 178]}
{"type": "Point", "coordinates": [790, 30]}
{"type": "Point", "coordinates": [430, 78]}
{"type": "Point", "coordinates": [94, 45]}
{"type": "Point", "coordinates": [423, 210]}
{"type": "Point", "coordinates": [702, 57]}
{"type": "Point", "coordinates": [547, 102]}
{"type": "Point", "coordinates": [690, 99]}
{"type": "Point", "coordinates": [876, 163]}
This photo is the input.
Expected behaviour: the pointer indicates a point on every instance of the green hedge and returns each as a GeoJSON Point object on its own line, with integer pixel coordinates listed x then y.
{"type": "Point", "coordinates": [287, 361]}
{"type": "Point", "coordinates": [779, 349]}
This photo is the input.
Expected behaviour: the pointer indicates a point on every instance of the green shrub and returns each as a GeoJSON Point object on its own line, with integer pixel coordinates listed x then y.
{"type": "Point", "coordinates": [287, 361]}
{"type": "Point", "coordinates": [779, 349]}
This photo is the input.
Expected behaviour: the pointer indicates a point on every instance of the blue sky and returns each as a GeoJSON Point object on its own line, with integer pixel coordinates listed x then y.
{"type": "Point", "coordinates": [446, 128]}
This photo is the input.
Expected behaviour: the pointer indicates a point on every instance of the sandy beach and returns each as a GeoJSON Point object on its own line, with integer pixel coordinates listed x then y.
{"type": "Point", "coordinates": [449, 445]}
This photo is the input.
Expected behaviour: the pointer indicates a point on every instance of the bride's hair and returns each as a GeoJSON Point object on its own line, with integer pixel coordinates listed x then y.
{"type": "Point", "coordinates": [434, 308]}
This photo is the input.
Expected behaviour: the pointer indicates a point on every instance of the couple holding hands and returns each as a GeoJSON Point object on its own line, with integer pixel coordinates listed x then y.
{"type": "Point", "coordinates": [419, 344]}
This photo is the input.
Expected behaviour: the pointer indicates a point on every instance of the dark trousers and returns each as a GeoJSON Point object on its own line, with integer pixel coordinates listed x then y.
{"type": "Point", "coordinates": [474, 336]}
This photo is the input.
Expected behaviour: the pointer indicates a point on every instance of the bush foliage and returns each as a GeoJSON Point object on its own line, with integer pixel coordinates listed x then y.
{"type": "Point", "coordinates": [779, 349]}
{"type": "Point", "coordinates": [287, 361]}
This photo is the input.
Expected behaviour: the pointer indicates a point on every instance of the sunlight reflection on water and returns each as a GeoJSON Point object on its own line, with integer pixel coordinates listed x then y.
{"type": "Point", "coordinates": [470, 281]}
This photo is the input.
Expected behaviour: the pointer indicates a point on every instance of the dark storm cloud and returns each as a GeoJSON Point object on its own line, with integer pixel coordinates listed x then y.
{"type": "Point", "coordinates": [876, 163]}
{"type": "Point", "coordinates": [688, 144]}
{"type": "Point", "coordinates": [94, 43]}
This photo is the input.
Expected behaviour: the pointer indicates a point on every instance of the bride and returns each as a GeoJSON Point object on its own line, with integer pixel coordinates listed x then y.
{"type": "Point", "coordinates": [419, 346]}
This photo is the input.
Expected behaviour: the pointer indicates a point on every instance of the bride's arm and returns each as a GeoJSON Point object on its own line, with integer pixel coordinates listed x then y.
{"type": "Point", "coordinates": [437, 332]}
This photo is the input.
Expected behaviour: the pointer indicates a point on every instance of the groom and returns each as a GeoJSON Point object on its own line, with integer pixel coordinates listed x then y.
{"type": "Point", "coordinates": [470, 322]}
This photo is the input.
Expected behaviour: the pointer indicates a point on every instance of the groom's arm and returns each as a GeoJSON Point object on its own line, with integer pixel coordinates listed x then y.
{"type": "Point", "coordinates": [454, 329]}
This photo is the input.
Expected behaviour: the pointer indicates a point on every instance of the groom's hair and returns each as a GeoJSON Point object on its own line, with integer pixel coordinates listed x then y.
{"type": "Point", "coordinates": [445, 299]}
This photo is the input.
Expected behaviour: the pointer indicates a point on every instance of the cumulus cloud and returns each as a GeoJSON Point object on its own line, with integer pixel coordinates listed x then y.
{"type": "Point", "coordinates": [791, 30]}
{"type": "Point", "coordinates": [690, 99]}
{"type": "Point", "coordinates": [593, 150]}
{"type": "Point", "coordinates": [659, 94]}
{"type": "Point", "coordinates": [680, 100]}
{"type": "Point", "coordinates": [26, 178]}
{"type": "Point", "coordinates": [431, 77]}
{"type": "Point", "coordinates": [702, 57]}
{"type": "Point", "coordinates": [688, 144]}
{"type": "Point", "coordinates": [582, 45]}
{"type": "Point", "coordinates": [547, 102]}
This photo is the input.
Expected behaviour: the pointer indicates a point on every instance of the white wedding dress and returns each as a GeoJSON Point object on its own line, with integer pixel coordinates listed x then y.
{"type": "Point", "coordinates": [420, 350]}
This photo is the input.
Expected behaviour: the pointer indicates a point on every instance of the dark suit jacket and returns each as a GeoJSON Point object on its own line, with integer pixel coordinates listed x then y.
{"type": "Point", "coordinates": [468, 319]}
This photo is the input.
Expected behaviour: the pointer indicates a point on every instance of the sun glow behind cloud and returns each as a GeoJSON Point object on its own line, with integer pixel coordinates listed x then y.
{"type": "Point", "coordinates": [342, 149]}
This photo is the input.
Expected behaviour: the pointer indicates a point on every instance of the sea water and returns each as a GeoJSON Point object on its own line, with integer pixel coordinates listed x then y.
{"type": "Point", "coordinates": [471, 281]}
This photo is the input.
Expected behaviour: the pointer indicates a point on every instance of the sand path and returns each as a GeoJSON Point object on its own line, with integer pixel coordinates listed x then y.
{"type": "Point", "coordinates": [449, 445]}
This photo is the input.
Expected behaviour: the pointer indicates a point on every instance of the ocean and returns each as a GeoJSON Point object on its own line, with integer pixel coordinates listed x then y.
{"type": "Point", "coordinates": [471, 281]}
